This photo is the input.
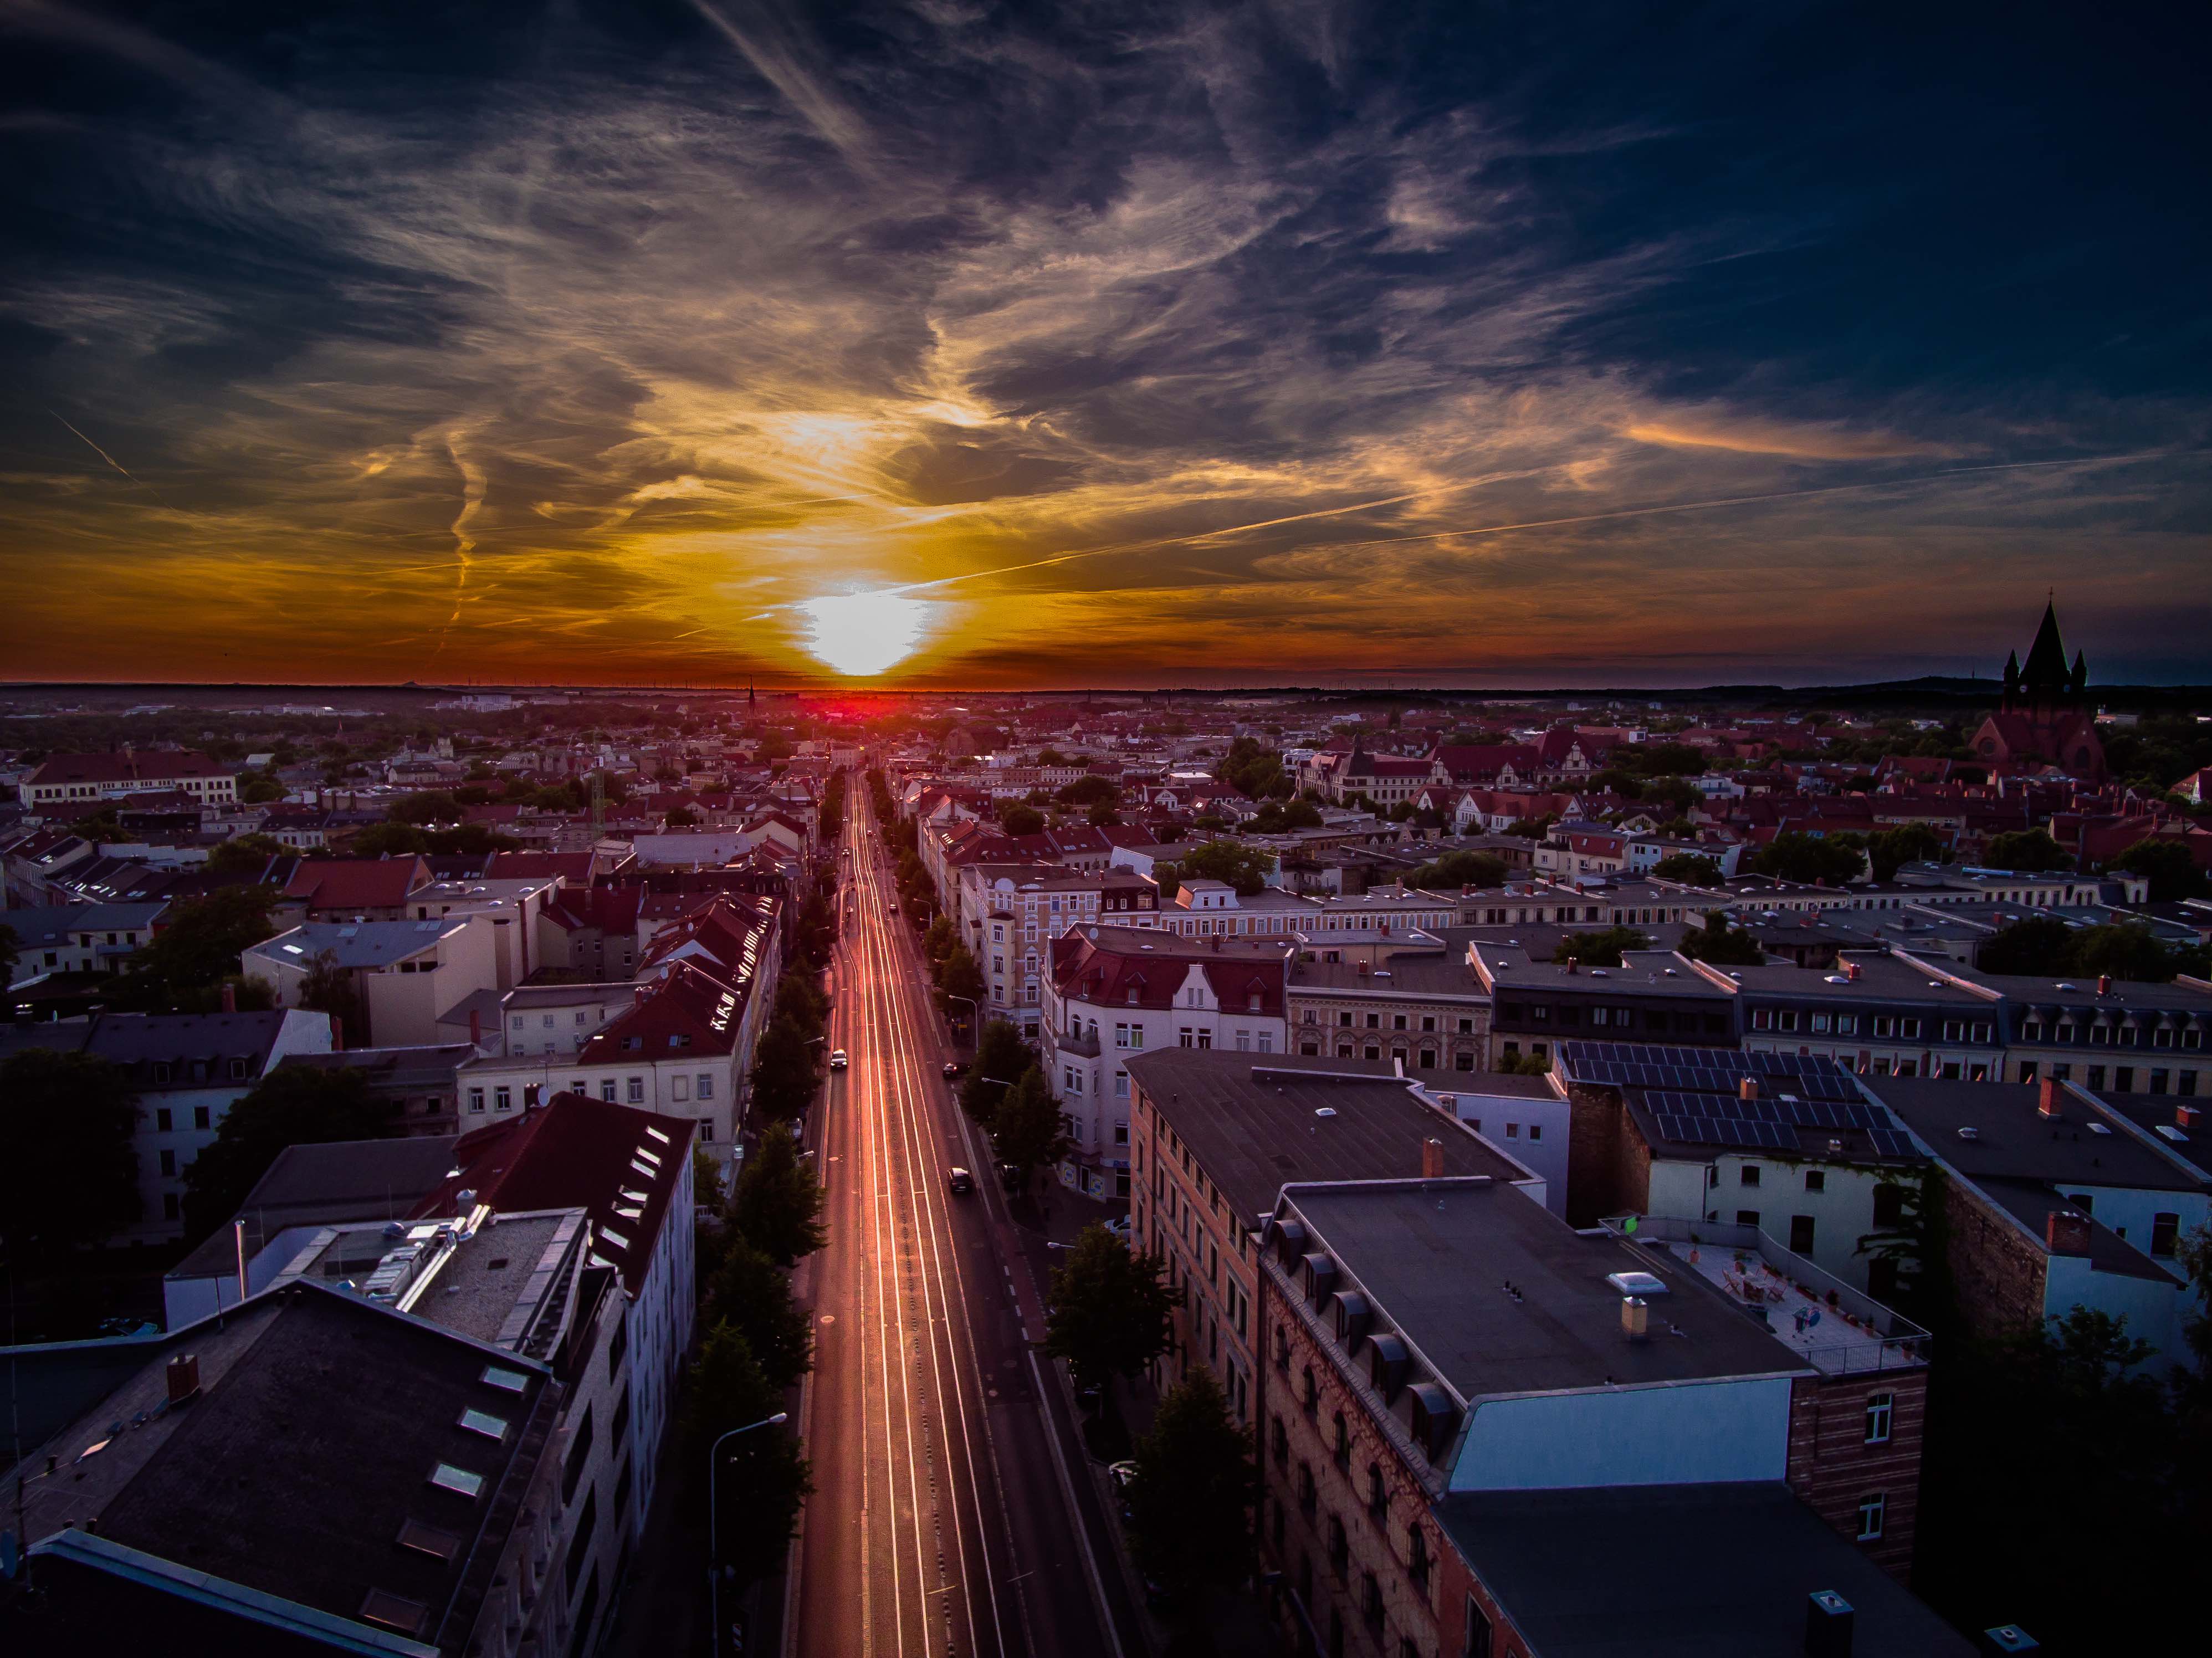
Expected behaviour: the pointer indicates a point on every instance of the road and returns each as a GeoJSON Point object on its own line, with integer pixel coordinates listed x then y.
{"type": "Point", "coordinates": [953, 1513]}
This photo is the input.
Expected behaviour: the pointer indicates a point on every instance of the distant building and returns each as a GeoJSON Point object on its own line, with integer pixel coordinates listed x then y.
{"type": "Point", "coordinates": [2045, 718]}
{"type": "Point", "coordinates": [76, 784]}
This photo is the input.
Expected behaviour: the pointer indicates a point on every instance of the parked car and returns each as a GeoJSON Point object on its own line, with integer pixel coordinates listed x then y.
{"type": "Point", "coordinates": [838, 1060]}
{"type": "Point", "coordinates": [959, 1182]}
{"type": "Point", "coordinates": [1123, 1476]}
{"type": "Point", "coordinates": [954, 1068]}
{"type": "Point", "coordinates": [1010, 1177]}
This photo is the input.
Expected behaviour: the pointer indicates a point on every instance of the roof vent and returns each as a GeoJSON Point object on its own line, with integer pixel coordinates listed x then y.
{"type": "Point", "coordinates": [1828, 1620]}
{"type": "Point", "coordinates": [1324, 1111]}
{"type": "Point", "coordinates": [1970, 1133]}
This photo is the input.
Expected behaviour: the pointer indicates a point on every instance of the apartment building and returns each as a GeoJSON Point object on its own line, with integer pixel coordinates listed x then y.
{"type": "Point", "coordinates": [76, 784]}
{"type": "Point", "coordinates": [1009, 913]}
{"type": "Point", "coordinates": [1425, 1011]}
{"type": "Point", "coordinates": [405, 976]}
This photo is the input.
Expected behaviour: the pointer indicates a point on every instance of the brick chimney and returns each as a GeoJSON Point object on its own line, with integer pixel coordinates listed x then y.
{"type": "Point", "coordinates": [229, 997]}
{"type": "Point", "coordinates": [475, 1027]}
{"type": "Point", "coordinates": [2185, 1116]}
{"type": "Point", "coordinates": [2066, 1232]}
{"type": "Point", "coordinates": [184, 1377]}
{"type": "Point", "coordinates": [1747, 1089]}
{"type": "Point", "coordinates": [1432, 1159]}
{"type": "Point", "coordinates": [2047, 1098]}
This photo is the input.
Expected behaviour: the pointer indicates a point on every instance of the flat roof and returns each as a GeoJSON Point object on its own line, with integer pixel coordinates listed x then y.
{"type": "Point", "coordinates": [357, 944]}
{"type": "Point", "coordinates": [1881, 978]}
{"type": "Point", "coordinates": [1254, 1122]}
{"type": "Point", "coordinates": [1682, 1571]}
{"type": "Point", "coordinates": [1444, 1263]}
{"type": "Point", "coordinates": [1407, 973]}
{"type": "Point", "coordinates": [1641, 973]}
{"type": "Point", "coordinates": [2013, 1142]}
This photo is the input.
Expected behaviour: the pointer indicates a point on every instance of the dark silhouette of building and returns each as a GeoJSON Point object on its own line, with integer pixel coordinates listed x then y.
{"type": "Point", "coordinates": [2044, 719]}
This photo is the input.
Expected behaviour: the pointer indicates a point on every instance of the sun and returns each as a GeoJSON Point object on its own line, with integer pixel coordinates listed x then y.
{"type": "Point", "coordinates": [862, 634]}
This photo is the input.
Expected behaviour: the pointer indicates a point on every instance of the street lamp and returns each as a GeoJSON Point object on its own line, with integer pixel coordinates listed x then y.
{"type": "Point", "coordinates": [975, 1009]}
{"type": "Point", "coordinates": [714, 1514]}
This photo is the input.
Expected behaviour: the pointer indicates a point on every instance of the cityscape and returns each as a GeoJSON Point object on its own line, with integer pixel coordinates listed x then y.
{"type": "Point", "coordinates": [1259, 831]}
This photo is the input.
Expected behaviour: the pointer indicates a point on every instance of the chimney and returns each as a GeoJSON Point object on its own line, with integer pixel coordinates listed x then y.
{"type": "Point", "coordinates": [229, 997]}
{"type": "Point", "coordinates": [1851, 970]}
{"type": "Point", "coordinates": [2066, 1232]}
{"type": "Point", "coordinates": [475, 1027]}
{"type": "Point", "coordinates": [2185, 1116]}
{"type": "Point", "coordinates": [1432, 1159]}
{"type": "Point", "coordinates": [338, 1034]}
{"type": "Point", "coordinates": [2104, 984]}
{"type": "Point", "coordinates": [184, 1377]}
{"type": "Point", "coordinates": [1635, 1317]}
{"type": "Point", "coordinates": [1747, 1089]}
{"type": "Point", "coordinates": [1828, 1618]}
{"type": "Point", "coordinates": [2046, 1098]}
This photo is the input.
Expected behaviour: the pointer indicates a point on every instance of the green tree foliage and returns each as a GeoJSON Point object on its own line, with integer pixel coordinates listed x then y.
{"type": "Point", "coordinates": [681, 817]}
{"type": "Point", "coordinates": [293, 1105]}
{"type": "Point", "coordinates": [1026, 1131]}
{"type": "Point", "coordinates": [1104, 815]}
{"type": "Point", "coordinates": [429, 806]}
{"type": "Point", "coordinates": [1090, 790]}
{"type": "Point", "coordinates": [1720, 943]}
{"type": "Point", "coordinates": [1889, 850]}
{"type": "Point", "coordinates": [1533, 829]}
{"type": "Point", "coordinates": [1523, 1065]}
{"type": "Point", "coordinates": [2027, 849]}
{"type": "Point", "coordinates": [68, 1175]}
{"type": "Point", "coordinates": [1613, 781]}
{"type": "Point", "coordinates": [1456, 870]}
{"type": "Point", "coordinates": [1690, 868]}
{"type": "Point", "coordinates": [1108, 1311]}
{"type": "Point", "coordinates": [960, 986]}
{"type": "Point", "coordinates": [1245, 868]}
{"type": "Point", "coordinates": [244, 854]}
{"type": "Point", "coordinates": [260, 790]}
{"type": "Point", "coordinates": [199, 947]}
{"type": "Point", "coordinates": [749, 1291]}
{"type": "Point", "coordinates": [1255, 771]}
{"type": "Point", "coordinates": [328, 988]}
{"type": "Point", "coordinates": [778, 1202]}
{"type": "Point", "coordinates": [941, 939]}
{"type": "Point", "coordinates": [1001, 1059]}
{"type": "Point", "coordinates": [1190, 1503]}
{"type": "Point", "coordinates": [784, 1075]}
{"type": "Point", "coordinates": [1600, 949]}
{"type": "Point", "coordinates": [1795, 855]}
{"type": "Point", "coordinates": [1281, 817]}
{"type": "Point", "coordinates": [1672, 794]}
{"type": "Point", "coordinates": [2172, 874]}
{"type": "Point", "coordinates": [799, 999]}
{"type": "Point", "coordinates": [761, 1477]}
{"type": "Point", "coordinates": [1018, 818]}
{"type": "Point", "coordinates": [392, 840]}
{"type": "Point", "coordinates": [2043, 946]}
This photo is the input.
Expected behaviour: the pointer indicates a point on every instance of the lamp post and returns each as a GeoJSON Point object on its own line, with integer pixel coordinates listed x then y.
{"type": "Point", "coordinates": [974, 1010]}
{"type": "Point", "coordinates": [714, 1514]}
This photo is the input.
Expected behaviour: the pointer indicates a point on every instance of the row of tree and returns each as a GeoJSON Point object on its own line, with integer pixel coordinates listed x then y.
{"type": "Point", "coordinates": [1007, 1096]}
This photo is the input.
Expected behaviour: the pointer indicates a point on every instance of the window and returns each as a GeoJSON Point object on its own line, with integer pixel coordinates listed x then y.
{"type": "Point", "coordinates": [636, 1090]}
{"type": "Point", "coordinates": [1747, 1217]}
{"type": "Point", "coordinates": [163, 1120]}
{"type": "Point", "coordinates": [607, 1089]}
{"type": "Point", "coordinates": [1880, 1412]}
{"type": "Point", "coordinates": [1279, 1441]}
{"type": "Point", "coordinates": [1801, 1235]}
{"type": "Point", "coordinates": [2164, 1232]}
{"type": "Point", "coordinates": [168, 1162]}
{"type": "Point", "coordinates": [1418, 1563]}
{"type": "Point", "coordinates": [203, 1116]}
{"type": "Point", "coordinates": [1341, 1449]}
{"type": "Point", "coordinates": [1909, 1029]}
{"type": "Point", "coordinates": [1884, 1026]}
{"type": "Point", "coordinates": [1478, 1632]}
{"type": "Point", "coordinates": [1378, 1494]}
{"type": "Point", "coordinates": [172, 1206]}
{"type": "Point", "coordinates": [1748, 1175]}
{"type": "Point", "coordinates": [1816, 1179]}
{"type": "Point", "coordinates": [1370, 1600]}
{"type": "Point", "coordinates": [502, 1099]}
{"type": "Point", "coordinates": [1340, 1550]}
{"type": "Point", "coordinates": [703, 1085]}
{"type": "Point", "coordinates": [476, 1099]}
{"type": "Point", "coordinates": [1306, 1488]}
{"type": "Point", "coordinates": [1309, 1393]}
{"type": "Point", "coordinates": [1873, 1510]}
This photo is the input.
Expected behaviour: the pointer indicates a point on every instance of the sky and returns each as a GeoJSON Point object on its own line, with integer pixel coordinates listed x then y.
{"type": "Point", "coordinates": [945, 343]}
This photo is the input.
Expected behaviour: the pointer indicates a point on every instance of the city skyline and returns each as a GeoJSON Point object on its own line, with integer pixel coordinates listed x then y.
{"type": "Point", "coordinates": [933, 349]}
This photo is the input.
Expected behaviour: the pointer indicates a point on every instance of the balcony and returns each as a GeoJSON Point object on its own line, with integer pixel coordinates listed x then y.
{"type": "Point", "coordinates": [1075, 1047]}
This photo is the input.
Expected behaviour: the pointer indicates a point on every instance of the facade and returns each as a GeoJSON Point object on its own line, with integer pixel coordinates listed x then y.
{"type": "Point", "coordinates": [76, 784]}
{"type": "Point", "coordinates": [1009, 913]}
{"type": "Point", "coordinates": [78, 937]}
{"type": "Point", "coordinates": [1424, 1010]}
{"type": "Point", "coordinates": [405, 976]}
{"type": "Point", "coordinates": [1654, 997]}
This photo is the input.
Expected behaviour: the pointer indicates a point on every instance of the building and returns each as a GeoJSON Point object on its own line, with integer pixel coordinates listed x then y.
{"type": "Point", "coordinates": [1117, 992]}
{"type": "Point", "coordinates": [2045, 718]}
{"type": "Point", "coordinates": [1885, 1014]}
{"type": "Point", "coordinates": [421, 1086]}
{"type": "Point", "coordinates": [1007, 914]}
{"type": "Point", "coordinates": [355, 890]}
{"type": "Point", "coordinates": [405, 976]}
{"type": "Point", "coordinates": [1425, 1011]}
{"type": "Point", "coordinates": [76, 785]}
{"type": "Point", "coordinates": [1215, 1136]}
{"type": "Point", "coordinates": [2055, 1200]}
{"type": "Point", "coordinates": [1655, 996]}
{"type": "Point", "coordinates": [89, 938]}
{"type": "Point", "coordinates": [1440, 1348]}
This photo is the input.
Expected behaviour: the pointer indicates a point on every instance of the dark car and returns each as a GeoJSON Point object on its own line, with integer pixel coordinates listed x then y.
{"type": "Point", "coordinates": [954, 1068]}
{"type": "Point", "coordinates": [959, 1182]}
{"type": "Point", "coordinates": [1010, 1177]}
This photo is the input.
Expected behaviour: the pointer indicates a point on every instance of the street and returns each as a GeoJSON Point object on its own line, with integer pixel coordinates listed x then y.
{"type": "Point", "coordinates": [953, 1513]}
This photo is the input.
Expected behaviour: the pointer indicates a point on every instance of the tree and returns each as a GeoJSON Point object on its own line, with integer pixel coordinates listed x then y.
{"type": "Point", "coordinates": [1026, 1131]}
{"type": "Point", "coordinates": [11, 948]}
{"type": "Point", "coordinates": [392, 840]}
{"type": "Point", "coordinates": [1523, 1065]}
{"type": "Point", "coordinates": [1090, 790]}
{"type": "Point", "coordinates": [2041, 945]}
{"type": "Point", "coordinates": [960, 986]}
{"type": "Point", "coordinates": [783, 1070]}
{"type": "Point", "coordinates": [1461, 869]}
{"type": "Point", "coordinates": [1888, 850]}
{"type": "Point", "coordinates": [682, 817]}
{"type": "Point", "coordinates": [1689, 868]}
{"type": "Point", "coordinates": [1109, 1308]}
{"type": "Point", "coordinates": [800, 1000]}
{"type": "Point", "coordinates": [1720, 943]}
{"type": "Point", "coordinates": [939, 941]}
{"type": "Point", "coordinates": [200, 945]}
{"type": "Point", "coordinates": [330, 989]}
{"type": "Point", "coordinates": [1190, 1503]}
{"type": "Point", "coordinates": [1533, 829]}
{"type": "Point", "coordinates": [2172, 874]}
{"type": "Point", "coordinates": [1254, 770]}
{"type": "Point", "coordinates": [1104, 815]}
{"type": "Point", "coordinates": [1796, 856]}
{"type": "Point", "coordinates": [1244, 868]}
{"type": "Point", "coordinates": [2045, 947]}
{"type": "Point", "coordinates": [1600, 949]}
{"type": "Point", "coordinates": [2027, 849]}
{"type": "Point", "coordinates": [749, 1291]}
{"type": "Point", "coordinates": [293, 1105]}
{"type": "Point", "coordinates": [429, 806]}
{"type": "Point", "coordinates": [1001, 1058]}
{"type": "Point", "coordinates": [261, 791]}
{"type": "Point", "coordinates": [761, 1477]}
{"type": "Point", "coordinates": [244, 854]}
{"type": "Point", "coordinates": [778, 1203]}
{"type": "Point", "coordinates": [66, 1112]}
{"type": "Point", "coordinates": [1281, 817]}
{"type": "Point", "coordinates": [1016, 817]}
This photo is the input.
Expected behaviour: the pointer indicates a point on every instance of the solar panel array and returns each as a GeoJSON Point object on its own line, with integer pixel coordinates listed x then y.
{"type": "Point", "coordinates": [1636, 1064]}
{"type": "Point", "coordinates": [1693, 1095]}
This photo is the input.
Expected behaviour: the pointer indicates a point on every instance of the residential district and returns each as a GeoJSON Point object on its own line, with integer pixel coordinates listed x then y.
{"type": "Point", "coordinates": [532, 1172]}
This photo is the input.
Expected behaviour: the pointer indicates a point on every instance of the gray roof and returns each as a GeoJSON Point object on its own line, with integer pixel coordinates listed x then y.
{"type": "Point", "coordinates": [432, 1066]}
{"type": "Point", "coordinates": [1682, 1571]}
{"type": "Point", "coordinates": [1436, 1262]}
{"type": "Point", "coordinates": [1251, 1121]}
{"type": "Point", "coordinates": [1641, 973]}
{"type": "Point", "coordinates": [137, 1041]}
{"type": "Point", "coordinates": [2012, 1142]}
{"type": "Point", "coordinates": [357, 944]}
{"type": "Point", "coordinates": [327, 1184]}
{"type": "Point", "coordinates": [56, 923]}
{"type": "Point", "coordinates": [1407, 973]}
{"type": "Point", "coordinates": [1881, 979]}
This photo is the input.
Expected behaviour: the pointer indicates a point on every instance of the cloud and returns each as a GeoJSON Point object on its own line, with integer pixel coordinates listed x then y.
{"type": "Point", "coordinates": [1752, 436]}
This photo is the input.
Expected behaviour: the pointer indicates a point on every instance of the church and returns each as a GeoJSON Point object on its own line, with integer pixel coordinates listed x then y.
{"type": "Point", "coordinates": [2046, 719]}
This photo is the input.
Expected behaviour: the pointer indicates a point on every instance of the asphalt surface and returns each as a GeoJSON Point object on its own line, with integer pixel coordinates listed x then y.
{"type": "Point", "coordinates": [953, 1513]}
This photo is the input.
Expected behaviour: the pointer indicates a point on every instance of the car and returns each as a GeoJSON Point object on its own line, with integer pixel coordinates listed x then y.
{"type": "Point", "coordinates": [954, 1068]}
{"type": "Point", "coordinates": [838, 1060]}
{"type": "Point", "coordinates": [1119, 1226]}
{"type": "Point", "coordinates": [959, 1182]}
{"type": "Point", "coordinates": [893, 907]}
{"type": "Point", "coordinates": [1010, 1176]}
{"type": "Point", "coordinates": [1123, 1476]}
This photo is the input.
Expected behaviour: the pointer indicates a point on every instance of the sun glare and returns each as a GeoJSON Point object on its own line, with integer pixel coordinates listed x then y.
{"type": "Point", "coordinates": [861, 635]}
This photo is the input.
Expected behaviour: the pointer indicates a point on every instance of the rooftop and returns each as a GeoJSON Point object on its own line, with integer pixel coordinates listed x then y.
{"type": "Point", "coordinates": [357, 943]}
{"type": "Point", "coordinates": [1501, 1297]}
{"type": "Point", "coordinates": [1682, 1571]}
{"type": "Point", "coordinates": [325, 1184]}
{"type": "Point", "coordinates": [2010, 1140]}
{"type": "Point", "coordinates": [1255, 1126]}
{"type": "Point", "coordinates": [1409, 972]}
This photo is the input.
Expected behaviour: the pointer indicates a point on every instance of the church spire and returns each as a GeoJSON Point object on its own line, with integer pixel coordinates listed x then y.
{"type": "Point", "coordinates": [2045, 677]}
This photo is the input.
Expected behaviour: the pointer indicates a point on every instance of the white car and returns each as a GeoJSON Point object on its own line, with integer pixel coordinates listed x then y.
{"type": "Point", "coordinates": [1119, 1226]}
{"type": "Point", "coordinates": [838, 1060]}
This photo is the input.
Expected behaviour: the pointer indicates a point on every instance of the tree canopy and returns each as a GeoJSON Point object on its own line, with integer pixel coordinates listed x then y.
{"type": "Point", "coordinates": [1888, 850]}
{"type": "Point", "coordinates": [748, 1290]}
{"type": "Point", "coordinates": [1026, 1131]}
{"type": "Point", "coordinates": [1600, 949]}
{"type": "Point", "coordinates": [759, 1478]}
{"type": "Point", "coordinates": [1461, 869]}
{"type": "Point", "coordinates": [1720, 943]}
{"type": "Point", "coordinates": [2045, 946]}
{"type": "Point", "coordinates": [2030, 850]}
{"type": "Point", "coordinates": [1108, 1311]}
{"type": "Point", "coordinates": [1254, 771]}
{"type": "Point", "coordinates": [1689, 867]}
{"type": "Point", "coordinates": [784, 1075]}
{"type": "Point", "coordinates": [1190, 1503]}
{"type": "Point", "coordinates": [199, 946]}
{"type": "Point", "coordinates": [73, 1113]}
{"type": "Point", "coordinates": [2172, 874]}
{"type": "Point", "coordinates": [778, 1202]}
{"type": "Point", "coordinates": [1796, 856]}
{"type": "Point", "coordinates": [1245, 868]}
{"type": "Point", "coordinates": [293, 1105]}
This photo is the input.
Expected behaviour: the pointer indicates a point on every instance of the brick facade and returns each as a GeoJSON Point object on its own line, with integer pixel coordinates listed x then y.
{"type": "Point", "coordinates": [1846, 1448]}
{"type": "Point", "coordinates": [1608, 1163]}
{"type": "Point", "coordinates": [1998, 1274]}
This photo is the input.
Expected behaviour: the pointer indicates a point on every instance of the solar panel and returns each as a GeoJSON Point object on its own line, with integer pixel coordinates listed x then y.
{"type": "Point", "coordinates": [1889, 1143]}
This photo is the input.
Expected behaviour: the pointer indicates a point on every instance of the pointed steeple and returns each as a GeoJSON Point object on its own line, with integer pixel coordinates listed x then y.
{"type": "Point", "coordinates": [2080, 675]}
{"type": "Point", "coordinates": [2046, 676]}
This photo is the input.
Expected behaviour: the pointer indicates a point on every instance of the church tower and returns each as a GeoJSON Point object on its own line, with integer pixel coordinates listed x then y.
{"type": "Point", "coordinates": [2044, 718]}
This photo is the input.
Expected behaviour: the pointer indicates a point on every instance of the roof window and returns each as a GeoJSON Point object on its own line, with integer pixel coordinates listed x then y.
{"type": "Point", "coordinates": [482, 1422]}
{"type": "Point", "coordinates": [512, 1381]}
{"type": "Point", "coordinates": [459, 1481]}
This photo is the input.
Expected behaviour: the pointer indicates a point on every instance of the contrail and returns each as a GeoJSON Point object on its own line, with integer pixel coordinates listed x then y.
{"type": "Point", "coordinates": [95, 448]}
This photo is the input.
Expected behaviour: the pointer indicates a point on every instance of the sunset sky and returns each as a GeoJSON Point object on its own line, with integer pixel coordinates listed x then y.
{"type": "Point", "coordinates": [1110, 344]}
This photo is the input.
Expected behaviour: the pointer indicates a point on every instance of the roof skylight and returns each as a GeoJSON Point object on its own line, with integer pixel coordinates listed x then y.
{"type": "Point", "coordinates": [512, 1381]}
{"type": "Point", "coordinates": [459, 1481]}
{"type": "Point", "coordinates": [482, 1422]}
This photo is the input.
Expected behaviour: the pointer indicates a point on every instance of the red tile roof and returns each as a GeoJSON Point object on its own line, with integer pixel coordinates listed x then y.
{"type": "Point", "coordinates": [126, 766]}
{"type": "Point", "coordinates": [687, 1011]}
{"type": "Point", "coordinates": [1155, 966]}
{"type": "Point", "coordinates": [346, 883]}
